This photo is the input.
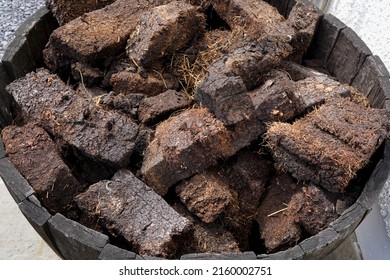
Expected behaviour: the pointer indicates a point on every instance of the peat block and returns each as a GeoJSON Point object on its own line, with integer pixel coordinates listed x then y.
{"type": "Point", "coordinates": [126, 104]}
{"type": "Point", "coordinates": [164, 31]}
{"type": "Point", "coordinates": [208, 238]}
{"type": "Point", "coordinates": [290, 209]}
{"type": "Point", "coordinates": [99, 134]}
{"type": "Point", "coordinates": [258, 17]}
{"type": "Point", "coordinates": [224, 95]}
{"type": "Point", "coordinates": [303, 19]}
{"type": "Point", "coordinates": [86, 74]}
{"type": "Point", "coordinates": [185, 144]}
{"type": "Point", "coordinates": [67, 10]}
{"type": "Point", "coordinates": [282, 99]}
{"type": "Point", "coordinates": [156, 108]}
{"type": "Point", "coordinates": [243, 68]}
{"type": "Point", "coordinates": [125, 206]}
{"type": "Point", "coordinates": [96, 35]}
{"type": "Point", "coordinates": [247, 174]}
{"type": "Point", "coordinates": [127, 82]}
{"type": "Point", "coordinates": [313, 209]}
{"type": "Point", "coordinates": [329, 145]}
{"type": "Point", "coordinates": [206, 195]}
{"type": "Point", "coordinates": [275, 99]}
{"type": "Point", "coordinates": [50, 178]}
{"type": "Point", "coordinates": [277, 228]}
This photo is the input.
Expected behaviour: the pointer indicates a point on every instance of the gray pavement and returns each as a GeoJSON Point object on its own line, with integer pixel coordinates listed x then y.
{"type": "Point", "coordinates": [12, 14]}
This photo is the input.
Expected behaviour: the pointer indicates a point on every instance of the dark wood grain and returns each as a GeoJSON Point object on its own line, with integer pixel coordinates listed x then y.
{"type": "Point", "coordinates": [325, 39]}
{"type": "Point", "coordinates": [75, 241]}
{"type": "Point", "coordinates": [321, 244]}
{"type": "Point", "coordinates": [15, 183]}
{"type": "Point", "coordinates": [207, 256]}
{"type": "Point", "coordinates": [294, 253]}
{"type": "Point", "coordinates": [375, 184]}
{"type": "Point", "coordinates": [371, 81]}
{"type": "Point", "coordinates": [111, 252]}
{"type": "Point", "coordinates": [348, 56]}
{"type": "Point", "coordinates": [38, 218]}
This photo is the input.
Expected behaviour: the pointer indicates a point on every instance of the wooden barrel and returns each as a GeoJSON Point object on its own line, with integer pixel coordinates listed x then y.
{"type": "Point", "coordinates": [335, 45]}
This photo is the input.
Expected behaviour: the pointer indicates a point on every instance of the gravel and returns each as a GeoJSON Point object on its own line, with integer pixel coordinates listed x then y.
{"type": "Point", "coordinates": [13, 13]}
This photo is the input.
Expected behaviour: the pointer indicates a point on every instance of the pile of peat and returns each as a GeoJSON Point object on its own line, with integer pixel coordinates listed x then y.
{"type": "Point", "coordinates": [190, 126]}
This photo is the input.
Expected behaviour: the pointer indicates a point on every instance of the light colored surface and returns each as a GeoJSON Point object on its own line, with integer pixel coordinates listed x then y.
{"type": "Point", "coordinates": [348, 250]}
{"type": "Point", "coordinates": [373, 240]}
{"type": "Point", "coordinates": [384, 210]}
{"type": "Point", "coordinates": [18, 240]}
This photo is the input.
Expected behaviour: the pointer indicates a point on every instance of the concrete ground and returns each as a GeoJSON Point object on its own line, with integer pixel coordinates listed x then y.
{"type": "Point", "coordinates": [370, 19]}
{"type": "Point", "coordinates": [18, 240]}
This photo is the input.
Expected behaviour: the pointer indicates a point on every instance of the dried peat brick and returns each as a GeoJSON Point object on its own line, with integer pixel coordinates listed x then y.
{"type": "Point", "coordinates": [102, 135]}
{"type": "Point", "coordinates": [126, 207]}
{"type": "Point", "coordinates": [206, 195]}
{"type": "Point", "coordinates": [126, 104]}
{"type": "Point", "coordinates": [127, 82]}
{"type": "Point", "coordinates": [184, 145]}
{"type": "Point", "coordinates": [329, 145]}
{"type": "Point", "coordinates": [253, 57]}
{"type": "Point", "coordinates": [313, 209]}
{"type": "Point", "coordinates": [279, 98]}
{"type": "Point", "coordinates": [156, 108]}
{"type": "Point", "coordinates": [275, 99]}
{"type": "Point", "coordinates": [282, 99]}
{"type": "Point", "coordinates": [208, 238]}
{"type": "Point", "coordinates": [86, 170]}
{"type": "Point", "coordinates": [96, 35]}
{"type": "Point", "coordinates": [163, 31]}
{"type": "Point", "coordinates": [314, 91]}
{"type": "Point", "coordinates": [303, 19]}
{"type": "Point", "coordinates": [86, 74]}
{"type": "Point", "coordinates": [288, 208]}
{"type": "Point", "coordinates": [224, 88]}
{"type": "Point", "coordinates": [67, 10]}
{"type": "Point", "coordinates": [278, 229]}
{"type": "Point", "coordinates": [247, 174]}
{"type": "Point", "coordinates": [225, 96]}
{"type": "Point", "coordinates": [35, 156]}
{"type": "Point", "coordinates": [257, 17]}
